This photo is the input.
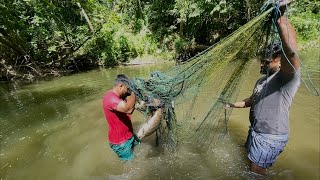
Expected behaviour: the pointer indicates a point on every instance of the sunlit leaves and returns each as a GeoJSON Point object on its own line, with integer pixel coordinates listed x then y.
{"type": "Point", "coordinates": [52, 48]}
{"type": "Point", "coordinates": [55, 30]}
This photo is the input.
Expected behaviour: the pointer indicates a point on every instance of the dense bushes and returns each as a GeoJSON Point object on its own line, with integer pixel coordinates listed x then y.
{"type": "Point", "coordinates": [40, 38]}
{"type": "Point", "coordinates": [112, 47]}
{"type": "Point", "coordinates": [305, 17]}
{"type": "Point", "coordinates": [307, 25]}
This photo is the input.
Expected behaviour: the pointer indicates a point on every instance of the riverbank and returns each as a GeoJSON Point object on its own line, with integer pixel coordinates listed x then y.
{"type": "Point", "coordinates": [8, 75]}
{"type": "Point", "coordinates": [149, 59]}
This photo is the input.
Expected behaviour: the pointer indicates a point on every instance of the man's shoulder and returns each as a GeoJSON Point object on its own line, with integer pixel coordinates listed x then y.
{"type": "Point", "coordinates": [110, 98]}
{"type": "Point", "coordinates": [110, 94]}
{"type": "Point", "coordinates": [293, 76]}
{"type": "Point", "coordinates": [260, 80]}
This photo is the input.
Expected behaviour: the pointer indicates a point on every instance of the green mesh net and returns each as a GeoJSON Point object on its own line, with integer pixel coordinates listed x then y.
{"type": "Point", "coordinates": [192, 93]}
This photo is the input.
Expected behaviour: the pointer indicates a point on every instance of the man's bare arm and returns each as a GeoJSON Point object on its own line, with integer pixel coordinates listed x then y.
{"type": "Point", "coordinates": [127, 107]}
{"type": "Point", "coordinates": [240, 104]}
{"type": "Point", "coordinates": [289, 42]}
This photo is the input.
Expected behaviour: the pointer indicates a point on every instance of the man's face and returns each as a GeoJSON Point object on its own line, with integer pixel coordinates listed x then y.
{"type": "Point", "coordinates": [270, 65]}
{"type": "Point", "coordinates": [264, 66]}
{"type": "Point", "coordinates": [124, 91]}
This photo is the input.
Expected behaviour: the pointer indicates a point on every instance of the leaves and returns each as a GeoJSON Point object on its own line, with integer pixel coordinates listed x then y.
{"type": "Point", "coordinates": [52, 49]}
{"type": "Point", "coordinates": [55, 31]}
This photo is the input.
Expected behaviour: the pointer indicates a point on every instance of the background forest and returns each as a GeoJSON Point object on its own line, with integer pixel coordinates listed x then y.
{"type": "Point", "coordinates": [48, 38]}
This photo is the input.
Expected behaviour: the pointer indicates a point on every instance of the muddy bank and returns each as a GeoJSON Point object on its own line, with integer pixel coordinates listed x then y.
{"type": "Point", "coordinates": [26, 75]}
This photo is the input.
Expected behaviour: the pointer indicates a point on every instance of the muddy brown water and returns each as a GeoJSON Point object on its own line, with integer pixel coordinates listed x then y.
{"type": "Point", "coordinates": [56, 130]}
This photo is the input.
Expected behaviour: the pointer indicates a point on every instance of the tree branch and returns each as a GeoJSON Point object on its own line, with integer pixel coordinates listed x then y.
{"type": "Point", "coordinates": [86, 17]}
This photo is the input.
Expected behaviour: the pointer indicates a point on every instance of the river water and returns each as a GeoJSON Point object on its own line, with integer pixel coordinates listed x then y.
{"type": "Point", "coordinates": [57, 130]}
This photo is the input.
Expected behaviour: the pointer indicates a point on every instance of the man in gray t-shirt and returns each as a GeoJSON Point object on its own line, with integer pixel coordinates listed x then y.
{"type": "Point", "coordinates": [272, 98]}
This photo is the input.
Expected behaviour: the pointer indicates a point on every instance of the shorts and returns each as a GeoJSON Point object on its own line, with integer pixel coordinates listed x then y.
{"type": "Point", "coordinates": [125, 150]}
{"type": "Point", "coordinates": [263, 149]}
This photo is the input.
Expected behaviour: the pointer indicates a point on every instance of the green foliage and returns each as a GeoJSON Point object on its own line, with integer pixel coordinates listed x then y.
{"type": "Point", "coordinates": [307, 25]}
{"type": "Point", "coordinates": [125, 51]}
{"type": "Point", "coordinates": [160, 19]}
{"type": "Point", "coordinates": [201, 20]}
{"type": "Point", "coordinates": [117, 43]}
{"type": "Point", "coordinates": [305, 18]}
{"type": "Point", "coordinates": [180, 45]}
{"type": "Point", "coordinates": [102, 48]}
{"type": "Point", "coordinates": [312, 6]}
{"type": "Point", "coordinates": [48, 34]}
{"type": "Point", "coordinates": [39, 35]}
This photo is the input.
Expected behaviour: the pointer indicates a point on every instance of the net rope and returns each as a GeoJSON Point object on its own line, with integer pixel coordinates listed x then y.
{"type": "Point", "coordinates": [192, 93]}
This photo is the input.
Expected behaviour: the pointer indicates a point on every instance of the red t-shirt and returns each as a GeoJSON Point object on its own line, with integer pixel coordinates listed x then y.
{"type": "Point", "coordinates": [120, 126]}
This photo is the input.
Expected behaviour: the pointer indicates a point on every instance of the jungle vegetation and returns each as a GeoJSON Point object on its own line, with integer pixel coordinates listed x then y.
{"type": "Point", "coordinates": [49, 38]}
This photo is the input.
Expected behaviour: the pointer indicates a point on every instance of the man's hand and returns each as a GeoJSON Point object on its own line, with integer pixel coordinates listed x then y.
{"type": "Point", "coordinates": [288, 37]}
{"type": "Point", "coordinates": [282, 4]}
{"type": "Point", "coordinates": [228, 105]}
{"type": "Point", "coordinates": [154, 103]}
{"type": "Point", "coordinates": [239, 104]}
{"type": "Point", "coordinates": [128, 105]}
{"type": "Point", "coordinates": [129, 92]}
{"type": "Point", "coordinates": [140, 105]}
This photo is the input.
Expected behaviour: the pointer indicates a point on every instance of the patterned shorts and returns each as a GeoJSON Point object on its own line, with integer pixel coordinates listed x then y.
{"type": "Point", "coordinates": [263, 149]}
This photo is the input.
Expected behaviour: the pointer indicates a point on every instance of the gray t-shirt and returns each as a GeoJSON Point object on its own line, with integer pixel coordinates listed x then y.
{"type": "Point", "coordinates": [271, 101]}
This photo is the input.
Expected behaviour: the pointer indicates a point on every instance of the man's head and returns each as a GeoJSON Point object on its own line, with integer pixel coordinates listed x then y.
{"type": "Point", "coordinates": [270, 62]}
{"type": "Point", "coordinates": [121, 85]}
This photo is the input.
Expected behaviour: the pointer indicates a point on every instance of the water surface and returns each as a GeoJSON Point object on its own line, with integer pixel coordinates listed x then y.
{"type": "Point", "coordinates": [56, 130]}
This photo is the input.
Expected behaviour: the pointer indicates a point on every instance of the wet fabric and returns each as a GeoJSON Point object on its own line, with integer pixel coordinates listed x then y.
{"type": "Point", "coordinates": [272, 98]}
{"type": "Point", "coordinates": [125, 150]}
{"type": "Point", "coordinates": [120, 126]}
{"type": "Point", "coordinates": [263, 149]}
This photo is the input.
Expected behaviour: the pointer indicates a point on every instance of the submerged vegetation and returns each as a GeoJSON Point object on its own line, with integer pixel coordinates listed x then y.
{"type": "Point", "coordinates": [41, 38]}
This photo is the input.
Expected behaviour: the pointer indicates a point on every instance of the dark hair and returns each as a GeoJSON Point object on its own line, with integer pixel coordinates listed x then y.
{"type": "Point", "coordinates": [273, 50]}
{"type": "Point", "coordinates": [121, 78]}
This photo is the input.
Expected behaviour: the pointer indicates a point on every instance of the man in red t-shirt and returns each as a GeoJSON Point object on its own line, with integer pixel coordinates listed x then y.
{"type": "Point", "coordinates": [118, 105]}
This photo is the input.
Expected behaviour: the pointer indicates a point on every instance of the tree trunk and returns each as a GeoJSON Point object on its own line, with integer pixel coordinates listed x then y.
{"type": "Point", "coordinates": [248, 10]}
{"type": "Point", "coordinates": [181, 28]}
{"type": "Point", "coordinates": [86, 17]}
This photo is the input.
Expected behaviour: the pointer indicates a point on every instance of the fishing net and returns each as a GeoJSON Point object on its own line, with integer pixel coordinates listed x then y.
{"type": "Point", "coordinates": [193, 93]}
